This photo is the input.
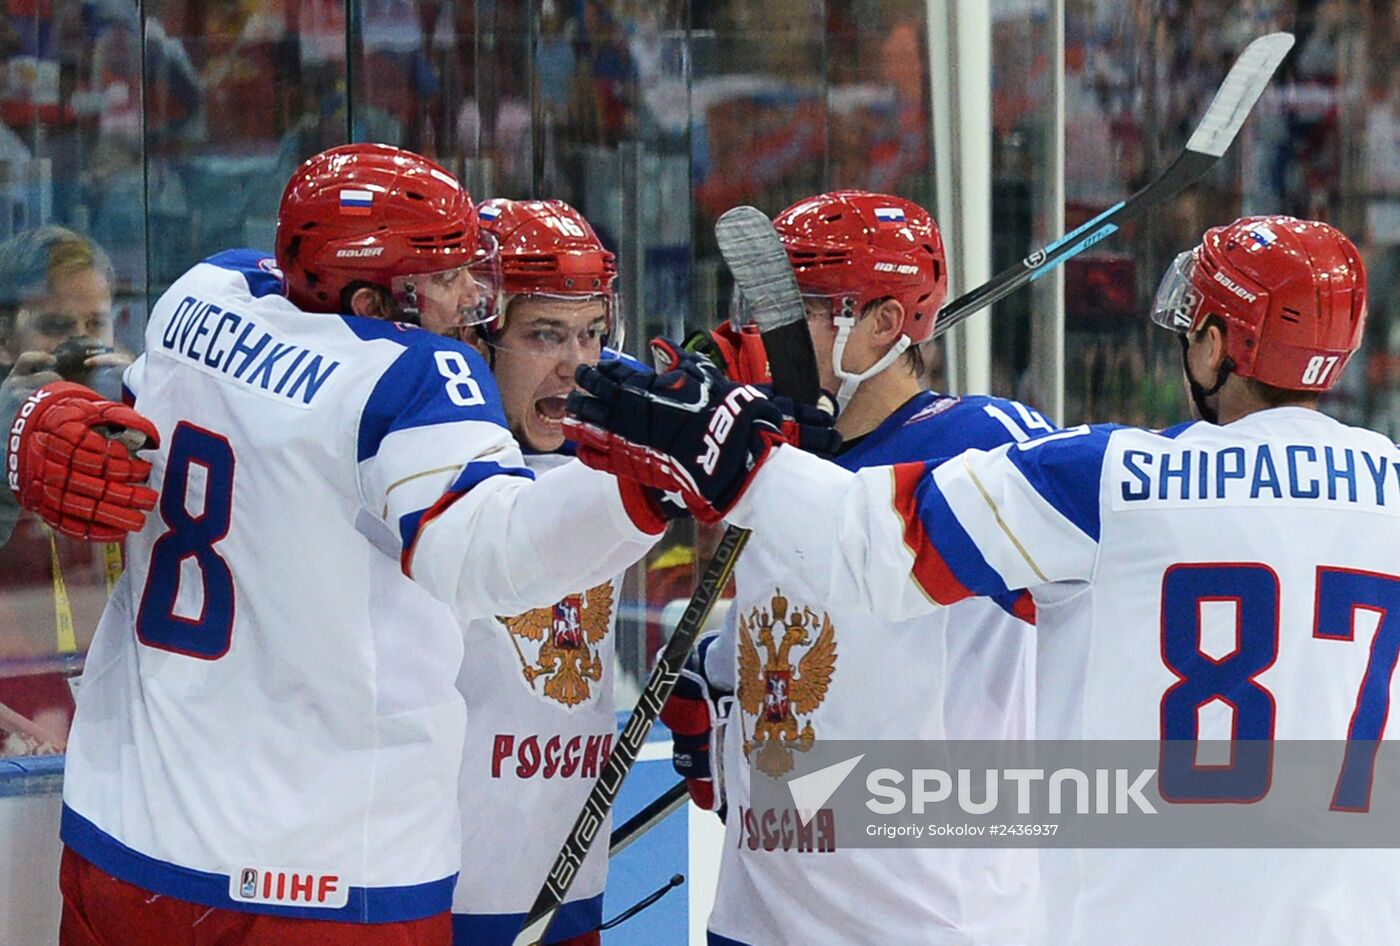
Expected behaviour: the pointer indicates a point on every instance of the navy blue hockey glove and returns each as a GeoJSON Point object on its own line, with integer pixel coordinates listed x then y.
{"type": "Point", "coordinates": [691, 429]}
{"type": "Point", "coordinates": [690, 713]}
{"type": "Point", "coordinates": [806, 426]}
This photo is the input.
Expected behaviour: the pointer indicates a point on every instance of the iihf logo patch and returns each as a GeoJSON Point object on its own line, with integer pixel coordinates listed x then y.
{"type": "Point", "coordinates": [288, 888]}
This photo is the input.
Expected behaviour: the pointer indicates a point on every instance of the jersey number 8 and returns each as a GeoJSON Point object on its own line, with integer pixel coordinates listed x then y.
{"type": "Point", "coordinates": [191, 538]}
{"type": "Point", "coordinates": [462, 388]}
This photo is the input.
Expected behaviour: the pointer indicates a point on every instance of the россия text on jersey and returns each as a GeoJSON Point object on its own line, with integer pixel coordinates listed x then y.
{"type": "Point", "coordinates": [238, 347]}
{"type": "Point", "coordinates": [1261, 471]}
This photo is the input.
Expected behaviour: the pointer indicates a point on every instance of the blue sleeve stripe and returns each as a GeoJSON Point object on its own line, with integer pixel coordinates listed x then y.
{"type": "Point", "coordinates": [472, 474]}
{"type": "Point", "coordinates": [1018, 604]}
{"type": "Point", "coordinates": [1171, 433]}
{"type": "Point", "coordinates": [952, 542]}
{"type": "Point", "coordinates": [612, 354]}
{"type": "Point", "coordinates": [411, 393]}
{"type": "Point", "coordinates": [259, 270]}
{"type": "Point", "coordinates": [1066, 472]}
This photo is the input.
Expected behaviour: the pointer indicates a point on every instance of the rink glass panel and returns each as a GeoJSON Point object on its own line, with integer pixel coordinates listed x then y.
{"type": "Point", "coordinates": [166, 131]}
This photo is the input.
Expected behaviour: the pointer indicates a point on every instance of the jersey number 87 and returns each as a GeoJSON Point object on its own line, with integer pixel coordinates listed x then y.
{"type": "Point", "coordinates": [1253, 588]}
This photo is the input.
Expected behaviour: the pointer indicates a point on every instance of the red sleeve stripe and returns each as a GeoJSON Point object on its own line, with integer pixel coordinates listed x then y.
{"type": "Point", "coordinates": [412, 525]}
{"type": "Point", "coordinates": [432, 512]}
{"type": "Point", "coordinates": [930, 570]}
{"type": "Point", "coordinates": [1024, 608]}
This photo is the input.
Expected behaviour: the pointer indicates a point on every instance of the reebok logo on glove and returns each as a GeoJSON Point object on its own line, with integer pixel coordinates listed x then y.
{"type": "Point", "coordinates": [72, 462]}
{"type": "Point", "coordinates": [722, 423]}
{"type": "Point", "coordinates": [17, 431]}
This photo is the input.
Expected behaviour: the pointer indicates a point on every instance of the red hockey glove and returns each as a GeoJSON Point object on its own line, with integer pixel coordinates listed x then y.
{"type": "Point", "coordinates": [739, 353]}
{"type": "Point", "coordinates": [72, 461]}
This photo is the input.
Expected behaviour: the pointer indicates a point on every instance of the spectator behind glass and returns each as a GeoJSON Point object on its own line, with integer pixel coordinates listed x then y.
{"type": "Point", "coordinates": [55, 321]}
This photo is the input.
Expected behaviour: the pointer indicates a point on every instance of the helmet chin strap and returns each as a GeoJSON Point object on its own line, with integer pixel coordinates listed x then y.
{"type": "Point", "coordinates": [1200, 392]}
{"type": "Point", "coordinates": [851, 380]}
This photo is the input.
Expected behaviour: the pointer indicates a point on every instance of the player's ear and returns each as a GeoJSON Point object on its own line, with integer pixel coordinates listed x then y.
{"type": "Point", "coordinates": [371, 303]}
{"type": "Point", "coordinates": [1214, 336]}
{"type": "Point", "coordinates": [885, 319]}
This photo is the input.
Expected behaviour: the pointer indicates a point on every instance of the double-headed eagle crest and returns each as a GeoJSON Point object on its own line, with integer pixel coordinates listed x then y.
{"type": "Point", "coordinates": [771, 691]}
{"type": "Point", "coordinates": [567, 634]}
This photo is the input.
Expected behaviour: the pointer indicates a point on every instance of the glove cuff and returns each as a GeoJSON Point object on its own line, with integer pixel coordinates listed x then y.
{"type": "Point", "coordinates": [642, 506]}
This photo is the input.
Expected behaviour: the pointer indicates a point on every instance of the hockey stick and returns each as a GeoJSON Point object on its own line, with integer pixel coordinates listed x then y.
{"type": "Point", "coordinates": [656, 811]}
{"type": "Point", "coordinates": [1215, 133]}
{"type": "Point", "coordinates": [760, 267]}
{"type": "Point", "coordinates": [757, 259]}
{"type": "Point", "coordinates": [1217, 130]}
{"type": "Point", "coordinates": [658, 687]}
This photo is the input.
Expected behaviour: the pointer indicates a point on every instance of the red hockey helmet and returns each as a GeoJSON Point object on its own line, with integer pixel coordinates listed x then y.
{"type": "Point", "coordinates": [548, 249]}
{"type": "Point", "coordinates": [858, 247]}
{"type": "Point", "coordinates": [1292, 292]}
{"type": "Point", "coordinates": [383, 216]}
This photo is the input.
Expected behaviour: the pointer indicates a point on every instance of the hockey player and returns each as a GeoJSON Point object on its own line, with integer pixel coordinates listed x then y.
{"type": "Point", "coordinates": [539, 684]}
{"type": "Point", "coordinates": [1121, 534]}
{"type": "Point", "coordinates": [873, 275]}
{"type": "Point", "coordinates": [269, 739]}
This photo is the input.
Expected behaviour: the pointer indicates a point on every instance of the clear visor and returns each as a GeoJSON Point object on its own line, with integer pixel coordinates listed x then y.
{"type": "Point", "coordinates": [555, 326]}
{"type": "Point", "coordinates": [448, 300]}
{"type": "Point", "coordinates": [1177, 301]}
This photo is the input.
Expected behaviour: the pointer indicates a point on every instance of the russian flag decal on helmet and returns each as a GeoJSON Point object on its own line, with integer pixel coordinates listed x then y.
{"type": "Point", "coordinates": [1262, 235]}
{"type": "Point", "coordinates": [356, 203]}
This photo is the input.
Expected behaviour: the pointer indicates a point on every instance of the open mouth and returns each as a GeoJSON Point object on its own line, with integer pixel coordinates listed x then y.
{"type": "Point", "coordinates": [550, 410]}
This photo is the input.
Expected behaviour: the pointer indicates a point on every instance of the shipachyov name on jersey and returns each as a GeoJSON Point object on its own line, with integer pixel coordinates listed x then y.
{"type": "Point", "coordinates": [1264, 471]}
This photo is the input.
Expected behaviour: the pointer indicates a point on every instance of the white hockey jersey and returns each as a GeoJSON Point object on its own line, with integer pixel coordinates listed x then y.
{"type": "Point", "coordinates": [540, 726]}
{"type": "Point", "coordinates": [1126, 537]}
{"type": "Point", "coordinates": [268, 719]}
{"type": "Point", "coordinates": [961, 673]}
